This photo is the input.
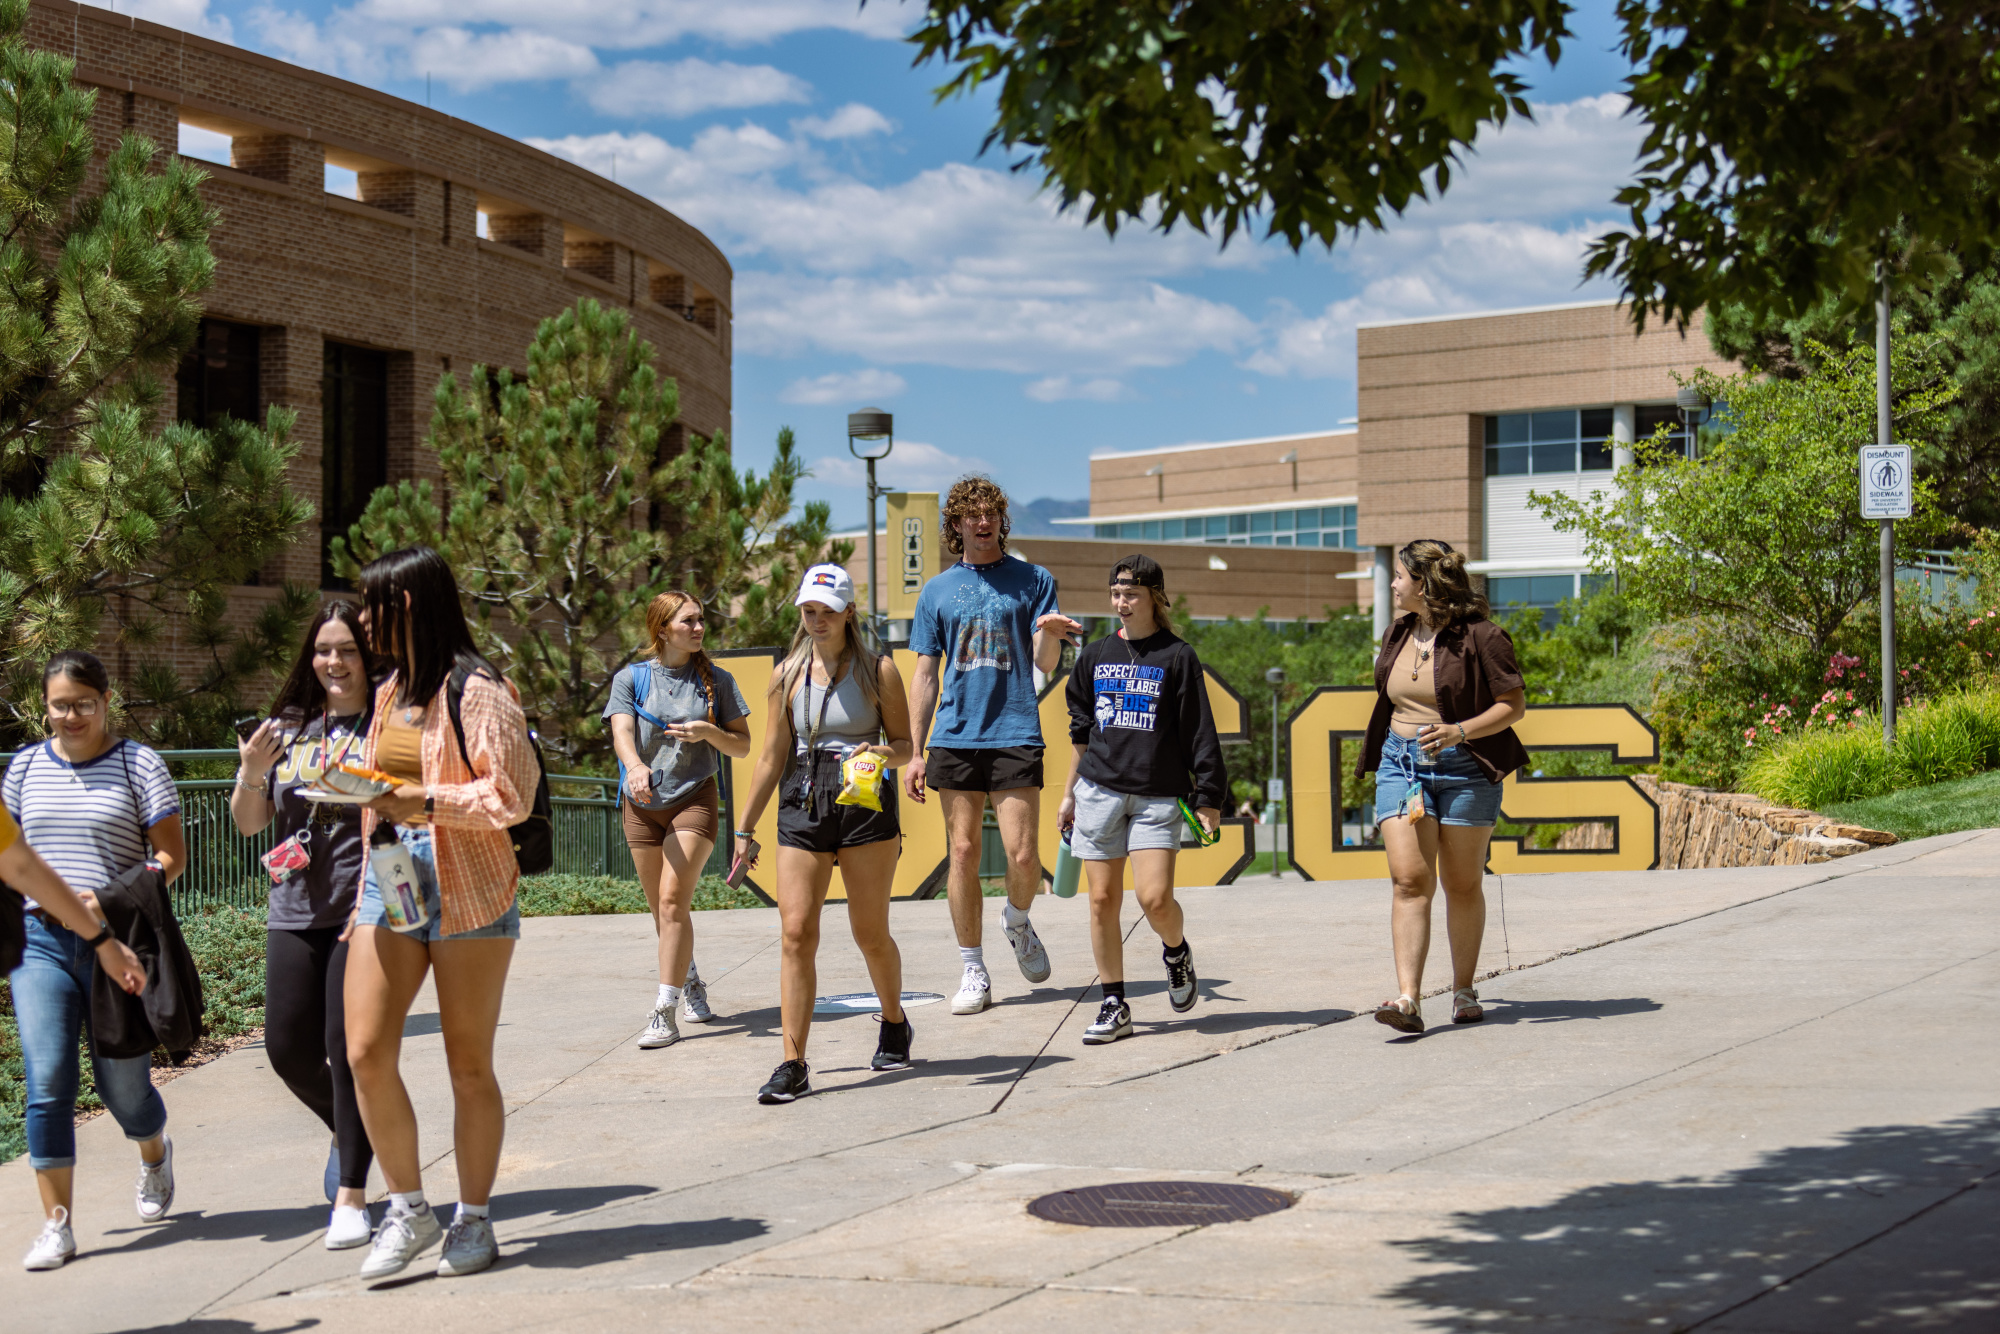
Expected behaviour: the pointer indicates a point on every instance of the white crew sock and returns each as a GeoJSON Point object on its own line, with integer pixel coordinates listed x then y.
{"type": "Point", "coordinates": [466, 1211]}
{"type": "Point", "coordinates": [1011, 915]}
{"type": "Point", "coordinates": [668, 997]}
{"type": "Point", "coordinates": [975, 957]}
{"type": "Point", "coordinates": [410, 1203]}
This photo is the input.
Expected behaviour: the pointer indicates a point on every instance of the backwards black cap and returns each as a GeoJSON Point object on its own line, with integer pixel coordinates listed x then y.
{"type": "Point", "coordinates": [1144, 571]}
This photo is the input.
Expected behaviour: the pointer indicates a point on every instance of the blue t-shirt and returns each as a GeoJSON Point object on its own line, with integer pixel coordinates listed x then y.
{"type": "Point", "coordinates": [979, 621]}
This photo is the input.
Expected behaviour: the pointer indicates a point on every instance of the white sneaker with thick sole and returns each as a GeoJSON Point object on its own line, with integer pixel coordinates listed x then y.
{"type": "Point", "coordinates": [400, 1239]}
{"type": "Point", "coordinates": [1028, 951]}
{"type": "Point", "coordinates": [347, 1228]}
{"type": "Point", "coordinates": [694, 1001]}
{"type": "Point", "coordinates": [155, 1194]}
{"type": "Point", "coordinates": [54, 1247]}
{"type": "Point", "coordinates": [469, 1246]}
{"type": "Point", "coordinates": [661, 1031]}
{"type": "Point", "coordinates": [975, 992]}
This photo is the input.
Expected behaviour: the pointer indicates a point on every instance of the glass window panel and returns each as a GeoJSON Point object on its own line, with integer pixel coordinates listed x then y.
{"type": "Point", "coordinates": [1264, 541]}
{"type": "Point", "coordinates": [1260, 523]}
{"type": "Point", "coordinates": [1492, 430]}
{"type": "Point", "coordinates": [1556, 458]}
{"type": "Point", "coordinates": [1107, 530]}
{"type": "Point", "coordinates": [1595, 422]}
{"type": "Point", "coordinates": [1553, 588]}
{"type": "Point", "coordinates": [1554, 425]}
{"type": "Point", "coordinates": [1284, 539]}
{"type": "Point", "coordinates": [1239, 523]}
{"type": "Point", "coordinates": [1218, 541]}
{"type": "Point", "coordinates": [1239, 541]}
{"type": "Point", "coordinates": [1282, 521]}
{"type": "Point", "coordinates": [1170, 530]}
{"type": "Point", "coordinates": [1308, 539]}
{"type": "Point", "coordinates": [1129, 529]}
{"type": "Point", "coordinates": [1507, 461]}
{"type": "Point", "coordinates": [1511, 429]}
{"type": "Point", "coordinates": [1152, 533]}
{"type": "Point", "coordinates": [1218, 525]}
{"type": "Point", "coordinates": [1593, 584]}
{"type": "Point", "coordinates": [1510, 592]}
{"type": "Point", "coordinates": [1596, 454]}
{"type": "Point", "coordinates": [1305, 519]}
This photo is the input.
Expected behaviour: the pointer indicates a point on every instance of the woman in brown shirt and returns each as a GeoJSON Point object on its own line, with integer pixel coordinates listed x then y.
{"type": "Point", "coordinates": [1441, 741]}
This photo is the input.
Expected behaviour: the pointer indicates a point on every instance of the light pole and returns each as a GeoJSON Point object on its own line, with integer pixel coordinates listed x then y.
{"type": "Point", "coordinates": [876, 430]}
{"type": "Point", "coordinates": [1275, 792]}
{"type": "Point", "coordinates": [1884, 435]}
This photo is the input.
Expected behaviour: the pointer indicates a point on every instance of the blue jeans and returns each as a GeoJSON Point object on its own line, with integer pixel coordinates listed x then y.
{"type": "Point", "coordinates": [1456, 790]}
{"type": "Point", "coordinates": [52, 1005]}
{"type": "Point", "coordinates": [423, 860]}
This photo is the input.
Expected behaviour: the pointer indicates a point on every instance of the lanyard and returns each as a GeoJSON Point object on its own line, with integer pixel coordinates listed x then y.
{"type": "Point", "coordinates": [812, 731]}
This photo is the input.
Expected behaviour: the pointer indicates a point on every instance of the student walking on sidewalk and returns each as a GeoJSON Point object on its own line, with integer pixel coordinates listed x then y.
{"type": "Point", "coordinates": [449, 906]}
{"type": "Point", "coordinates": [1145, 740]}
{"type": "Point", "coordinates": [1448, 693]}
{"type": "Point", "coordinates": [980, 627]}
{"type": "Point", "coordinates": [89, 806]}
{"type": "Point", "coordinates": [318, 719]}
{"type": "Point", "coordinates": [841, 700]}
{"type": "Point", "coordinates": [673, 714]}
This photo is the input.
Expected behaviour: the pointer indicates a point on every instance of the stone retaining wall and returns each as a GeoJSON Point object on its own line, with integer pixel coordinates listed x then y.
{"type": "Point", "coordinates": [1700, 827]}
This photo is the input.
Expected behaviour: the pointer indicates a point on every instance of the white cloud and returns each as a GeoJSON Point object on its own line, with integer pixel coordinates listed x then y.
{"type": "Point", "coordinates": [207, 145]}
{"type": "Point", "coordinates": [911, 466]}
{"type": "Point", "coordinates": [687, 87]}
{"type": "Point", "coordinates": [1055, 388]}
{"type": "Point", "coordinates": [869, 385]}
{"type": "Point", "coordinates": [467, 60]}
{"type": "Point", "coordinates": [187, 15]}
{"type": "Point", "coordinates": [853, 121]}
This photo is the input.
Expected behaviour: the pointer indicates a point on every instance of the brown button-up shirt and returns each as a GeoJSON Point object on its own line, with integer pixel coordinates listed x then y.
{"type": "Point", "coordinates": [1474, 665]}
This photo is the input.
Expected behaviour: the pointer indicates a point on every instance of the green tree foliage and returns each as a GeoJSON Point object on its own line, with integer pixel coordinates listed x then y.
{"type": "Point", "coordinates": [562, 525]}
{"type": "Point", "coordinates": [1784, 140]}
{"type": "Point", "coordinates": [102, 516]}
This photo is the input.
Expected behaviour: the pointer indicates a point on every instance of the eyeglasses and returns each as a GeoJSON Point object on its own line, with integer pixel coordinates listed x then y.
{"type": "Point", "coordinates": [83, 708]}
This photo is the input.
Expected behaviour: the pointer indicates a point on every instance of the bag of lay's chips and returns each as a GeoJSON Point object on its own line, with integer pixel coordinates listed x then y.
{"type": "Point", "coordinates": [861, 780]}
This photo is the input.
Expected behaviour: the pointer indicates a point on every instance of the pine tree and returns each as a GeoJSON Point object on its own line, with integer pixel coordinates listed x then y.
{"type": "Point", "coordinates": [103, 516]}
{"type": "Point", "coordinates": [562, 525]}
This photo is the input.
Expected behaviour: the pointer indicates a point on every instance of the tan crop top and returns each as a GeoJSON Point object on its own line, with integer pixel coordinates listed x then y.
{"type": "Point", "coordinates": [1415, 701]}
{"type": "Point", "coordinates": [399, 750]}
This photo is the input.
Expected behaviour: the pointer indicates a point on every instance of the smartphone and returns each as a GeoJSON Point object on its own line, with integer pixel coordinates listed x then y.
{"type": "Point", "coordinates": [741, 866]}
{"type": "Point", "coordinates": [247, 726]}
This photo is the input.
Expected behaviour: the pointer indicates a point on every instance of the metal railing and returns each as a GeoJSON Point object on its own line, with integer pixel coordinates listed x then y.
{"type": "Point", "coordinates": [223, 865]}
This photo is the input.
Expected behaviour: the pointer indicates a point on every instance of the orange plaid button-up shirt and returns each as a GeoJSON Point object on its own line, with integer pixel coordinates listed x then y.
{"type": "Point", "coordinates": [472, 808]}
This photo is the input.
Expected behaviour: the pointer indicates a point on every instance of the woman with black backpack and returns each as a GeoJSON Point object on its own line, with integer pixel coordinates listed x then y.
{"type": "Point", "coordinates": [438, 893]}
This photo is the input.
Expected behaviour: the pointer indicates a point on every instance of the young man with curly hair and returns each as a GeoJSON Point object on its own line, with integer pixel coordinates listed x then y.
{"type": "Point", "coordinates": [979, 626]}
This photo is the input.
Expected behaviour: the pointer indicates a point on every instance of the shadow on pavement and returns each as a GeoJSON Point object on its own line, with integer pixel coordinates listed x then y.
{"type": "Point", "coordinates": [1555, 1011]}
{"type": "Point", "coordinates": [989, 1069]}
{"type": "Point", "coordinates": [1890, 1229]}
{"type": "Point", "coordinates": [195, 1225]}
{"type": "Point", "coordinates": [223, 1327]}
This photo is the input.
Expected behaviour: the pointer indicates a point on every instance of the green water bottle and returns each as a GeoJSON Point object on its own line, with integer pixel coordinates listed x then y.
{"type": "Point", "coordinates": [1069, 868]}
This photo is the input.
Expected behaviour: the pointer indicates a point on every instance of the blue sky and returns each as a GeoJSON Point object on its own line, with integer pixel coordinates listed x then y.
{"type": "Point", "coordinates": [881, 260]}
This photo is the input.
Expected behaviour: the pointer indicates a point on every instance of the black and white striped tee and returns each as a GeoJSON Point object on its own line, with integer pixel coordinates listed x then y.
{"type": "Point", "coordinates": [84, 819]}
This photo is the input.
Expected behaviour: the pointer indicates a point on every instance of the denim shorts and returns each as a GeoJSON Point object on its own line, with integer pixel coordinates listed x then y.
{"type": "Point", "coordinates": [1111, 825]}
{"type": "Point", "coordinates": [1456, 790]}
{"type": "Point", "coordinates": [423, 858]}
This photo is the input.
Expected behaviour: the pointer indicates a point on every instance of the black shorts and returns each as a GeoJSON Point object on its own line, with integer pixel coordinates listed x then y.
{"type": "Point", "coordinates": [825, 825]}
{"type": "Point", "coordinates": [999, 769]}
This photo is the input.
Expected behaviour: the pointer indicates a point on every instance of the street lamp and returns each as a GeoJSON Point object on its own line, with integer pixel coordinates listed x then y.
{"type": "Point", "coordinates": [1275, 792]}
{"type": "Point", "coordinates": [875, 432]}
{"type": "Point", "coordinates": [1693, 403]}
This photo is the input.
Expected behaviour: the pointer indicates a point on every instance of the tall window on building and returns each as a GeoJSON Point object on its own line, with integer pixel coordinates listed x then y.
{"type": "Point", "coordinates": [218, 375]}
{"type": "Point", "coordinates": [354, 410]}
{"type": "Point", "coordinates": [1540, 592]}
{"type": "Point", "coordinates": [1564, 440]}
{"type": "Point", "coordinates": [1652, 416]}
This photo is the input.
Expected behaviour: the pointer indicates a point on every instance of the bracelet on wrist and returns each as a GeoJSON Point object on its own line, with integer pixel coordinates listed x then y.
{"type": "Point", "coordinates": [745, 833]}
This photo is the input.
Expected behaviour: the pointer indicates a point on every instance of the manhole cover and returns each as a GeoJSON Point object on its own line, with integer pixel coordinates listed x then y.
{"type": "Point", "coordinates": [1159, 1204]}
{"type": "Point", "coordinates": [864, 1002]}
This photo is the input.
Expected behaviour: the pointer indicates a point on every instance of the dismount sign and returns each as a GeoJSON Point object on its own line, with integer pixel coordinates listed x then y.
{"type": "Point", "coordinates": [1886, 491]}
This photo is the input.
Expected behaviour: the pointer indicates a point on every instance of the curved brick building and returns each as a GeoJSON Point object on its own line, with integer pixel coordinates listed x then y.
{"type": "Point", "coordinates": [348, 310]}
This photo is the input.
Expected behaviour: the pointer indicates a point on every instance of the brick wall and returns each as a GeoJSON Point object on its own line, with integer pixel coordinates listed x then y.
{"type": "Point", "coordinates": [1241, 473]}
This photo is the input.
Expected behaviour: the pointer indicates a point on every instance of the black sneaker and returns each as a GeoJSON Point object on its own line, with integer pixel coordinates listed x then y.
{"type": "Point", "coordinates": [892, 1048]}
{"type": "Point", "coordinates": [1182, 989]}
{"type": "Point", "coordinates": [788, 1081]}
{"type": "Point", "coordinates": [1114, 1021]}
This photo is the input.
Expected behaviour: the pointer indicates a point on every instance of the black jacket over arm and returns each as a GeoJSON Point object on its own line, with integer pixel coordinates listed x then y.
{"type": "Point", "coordinates": [1141, 710]}
{"type": "Point", "coordinates": [168, 1012]}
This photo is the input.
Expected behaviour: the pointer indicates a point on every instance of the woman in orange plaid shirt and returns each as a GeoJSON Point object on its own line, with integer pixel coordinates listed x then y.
{"type": "Point", "coordinates": [445, 850]}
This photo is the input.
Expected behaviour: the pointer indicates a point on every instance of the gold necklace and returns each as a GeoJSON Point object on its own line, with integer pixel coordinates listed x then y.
{"type": "Point", "coordinates": [1423, 655]}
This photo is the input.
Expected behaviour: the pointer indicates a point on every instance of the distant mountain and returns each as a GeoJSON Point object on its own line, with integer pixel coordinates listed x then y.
{"type": "Point", "coordinates": [1032, 519]}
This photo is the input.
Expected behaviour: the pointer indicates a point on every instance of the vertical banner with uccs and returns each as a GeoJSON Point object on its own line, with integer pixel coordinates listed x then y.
{"type": "Point", "coordinates": [913, 550]}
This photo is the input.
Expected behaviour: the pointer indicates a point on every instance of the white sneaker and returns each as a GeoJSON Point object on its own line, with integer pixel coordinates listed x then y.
{"type": "Point", "coordinates": [694, 1000]}
{"type": "Point", "coordinates": [975, 993]}
{"type": "Point", "coordinates": [469, 1247]}
{"type": "Point", "coordinates": [347, 1228]}
{"type": "Point", "coordinates": [400, 1239]}
{"type": "Point", "coordinates": [156, 1186]}
{"type": "Point", "coordinates": [54, 1247]}
{"type": "Point", "coordinates": [662, 1031]}
{"type": "Point", "coordinates": [1028, 951]}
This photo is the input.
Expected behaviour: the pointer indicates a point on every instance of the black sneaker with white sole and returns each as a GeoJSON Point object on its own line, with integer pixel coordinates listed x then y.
{"type": "Point", "coordinates": [788, 1082]}
{"type": "Point", "coordinates": [892, 1048]}
{"type": "Point", "coordinates": [1183, 988]}
{"type": "Point", "coordinates": [1114, 1021]}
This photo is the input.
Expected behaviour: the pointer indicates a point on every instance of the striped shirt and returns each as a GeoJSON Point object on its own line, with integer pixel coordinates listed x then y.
{"type": "Point", "coordinates": [84, 819]}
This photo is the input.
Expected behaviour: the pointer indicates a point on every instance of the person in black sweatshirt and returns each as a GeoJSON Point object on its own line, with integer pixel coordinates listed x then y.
{"type": "Point", "coordinates": [1144, 739]}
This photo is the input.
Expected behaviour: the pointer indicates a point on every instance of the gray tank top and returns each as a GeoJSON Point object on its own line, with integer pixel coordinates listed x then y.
{"type": "Point", "coordinates": [850, 719]}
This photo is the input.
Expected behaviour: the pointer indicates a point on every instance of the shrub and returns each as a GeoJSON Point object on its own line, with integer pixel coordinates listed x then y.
{"type": "Point", "coordinates": [1939, 742]}
{"type": "Point", "coordinates": [594, 895]}
{"type": "Point", "coordinates": [1815, 768]}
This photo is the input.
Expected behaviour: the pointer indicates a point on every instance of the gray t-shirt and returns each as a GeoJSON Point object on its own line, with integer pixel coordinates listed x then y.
{"type": "Point", "coordinates": [679, 767]}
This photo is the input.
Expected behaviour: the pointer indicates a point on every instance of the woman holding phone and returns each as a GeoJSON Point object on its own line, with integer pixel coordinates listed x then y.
{"type": "Point", "coordinates": [1441, 740]}
{"type": "Point", "coordinates": [673, 714]}
{"type": "Point", "coordinates": [437, 896]}
{"type": "Point", "coordinates": [841, 700]}
{"type": "Point", "coordinates": [319, 718]}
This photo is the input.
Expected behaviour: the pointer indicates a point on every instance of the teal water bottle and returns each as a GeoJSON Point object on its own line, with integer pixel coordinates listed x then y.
{"type": "Point", "coordinates": [1069, 868]}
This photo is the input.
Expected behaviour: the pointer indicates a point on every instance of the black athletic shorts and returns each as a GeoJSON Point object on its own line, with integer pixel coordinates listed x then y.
{"type": "Point", "coordinates": [996, 770]}
{"type": "Point", "coordinates": [825, 825]}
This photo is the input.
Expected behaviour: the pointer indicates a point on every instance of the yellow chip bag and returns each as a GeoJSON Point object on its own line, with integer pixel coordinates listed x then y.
{"type": "Point", "coordinates": [861, 781]}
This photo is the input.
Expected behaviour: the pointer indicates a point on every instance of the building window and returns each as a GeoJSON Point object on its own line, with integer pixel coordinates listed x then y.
{"type": "Point", "coordinates": [218, 375]}
{"type": "Point", "coordinates": [1543, 592]}
{"type": "Point", "coordinates": [354, 410]}
{"type": "Point", "coordinates": [1329, 526]}
{"type": "Point", "coordinates": [1652, 416]}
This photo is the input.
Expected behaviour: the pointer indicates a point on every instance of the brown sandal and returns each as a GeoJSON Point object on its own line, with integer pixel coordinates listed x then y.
{"type": "Point", "coordinates": [1402, 1014]}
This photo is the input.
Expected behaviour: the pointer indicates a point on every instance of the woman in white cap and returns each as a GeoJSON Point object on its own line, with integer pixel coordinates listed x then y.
{"type": "Point", "coordinates": [842, 700]}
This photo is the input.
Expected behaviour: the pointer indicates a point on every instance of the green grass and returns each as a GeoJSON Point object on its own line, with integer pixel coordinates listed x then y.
{"type": "Point", "coordinates": [1919, 812]}
{"type": "Point", "coordinates": [594, 895]}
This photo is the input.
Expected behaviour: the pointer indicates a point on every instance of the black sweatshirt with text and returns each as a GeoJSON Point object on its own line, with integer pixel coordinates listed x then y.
{"type": "Point", "coordinates": [1140, 709]}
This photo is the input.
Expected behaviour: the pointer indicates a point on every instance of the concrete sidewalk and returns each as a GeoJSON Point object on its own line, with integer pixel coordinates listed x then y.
{"type": "Point", "coordinates": [1744, 1100]}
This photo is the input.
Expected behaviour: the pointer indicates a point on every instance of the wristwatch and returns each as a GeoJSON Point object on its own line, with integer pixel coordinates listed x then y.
{"type": "Point", "coordinates": [103, 934]}
{"type": "Point", "coordinates": [430, 804]}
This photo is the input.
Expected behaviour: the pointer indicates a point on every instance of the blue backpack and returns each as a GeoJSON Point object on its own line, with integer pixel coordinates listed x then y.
{"type": "Point", "coordinates": [642, 689]}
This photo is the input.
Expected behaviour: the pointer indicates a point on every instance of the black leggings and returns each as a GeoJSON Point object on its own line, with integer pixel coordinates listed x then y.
{"type": "Point", "coordinates": [305, 1035]}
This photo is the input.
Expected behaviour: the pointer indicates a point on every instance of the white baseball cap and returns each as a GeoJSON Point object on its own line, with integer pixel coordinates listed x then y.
{"type": "Point", "coordinates": [827, 585]}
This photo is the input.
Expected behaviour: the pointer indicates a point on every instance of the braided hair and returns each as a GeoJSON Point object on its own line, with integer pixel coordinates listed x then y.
{"type": "Point", "coordinates": [660, 614]}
